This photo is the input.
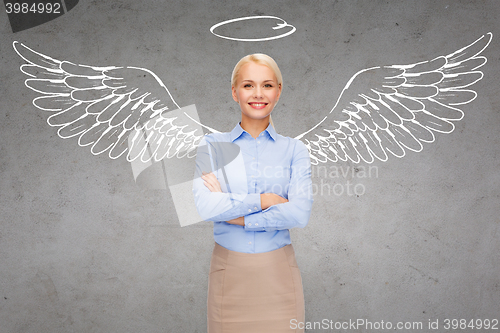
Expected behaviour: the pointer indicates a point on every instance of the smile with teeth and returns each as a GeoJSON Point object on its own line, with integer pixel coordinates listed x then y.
{"type": "Point", "coordinates": [258, 105]}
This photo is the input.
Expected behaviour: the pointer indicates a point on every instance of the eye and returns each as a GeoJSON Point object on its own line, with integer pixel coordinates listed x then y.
{"type": "Point", "coordinates": [248, 85]}
{"type": "Point", "coordinates": [268, 85]}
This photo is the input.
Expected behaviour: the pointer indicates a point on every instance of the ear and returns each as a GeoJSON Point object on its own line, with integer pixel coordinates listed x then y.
{"type": "Point", "coordinates": [279, 92]}
{"type": "Point", "coordinates": [235, 97]}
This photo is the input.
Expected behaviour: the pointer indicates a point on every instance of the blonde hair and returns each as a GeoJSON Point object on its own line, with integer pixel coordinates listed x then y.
{"type": "Point", "coordinates": [261, 59]}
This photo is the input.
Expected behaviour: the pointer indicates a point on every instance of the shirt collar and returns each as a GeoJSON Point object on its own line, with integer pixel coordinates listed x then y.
{"type": "Point", "coordinates": [238, 131]}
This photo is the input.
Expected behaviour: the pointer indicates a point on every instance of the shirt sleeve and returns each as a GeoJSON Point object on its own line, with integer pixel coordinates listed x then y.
{"type": "Point", "coordinates": [295, 212]}
{"type": "Point", "coordinates": [218, 206]}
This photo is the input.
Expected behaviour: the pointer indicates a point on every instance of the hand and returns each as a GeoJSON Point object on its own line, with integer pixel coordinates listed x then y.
{"type": "Point", "coordinates": [270, 199]}
{"type": "Point", "coordinates": [238, 221]}
{"type": "Point", "coordinates": [213, 185]}
{"type": "Point", "coordinates": [211, 182]}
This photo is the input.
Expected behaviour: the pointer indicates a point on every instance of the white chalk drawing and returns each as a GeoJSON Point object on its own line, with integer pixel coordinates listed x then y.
{"type": "Point", "coordinates": [381, 111]}
{"type": "Point", "coordinates": [391, 109]}
{"type": "Point", "coordinates": [110, 108]}
{"type": "Point", "coordinates": [259, 28]}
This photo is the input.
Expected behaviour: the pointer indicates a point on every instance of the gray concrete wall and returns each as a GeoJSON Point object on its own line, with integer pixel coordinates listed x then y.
{"type": "Point", "coordinates": [84, 249]}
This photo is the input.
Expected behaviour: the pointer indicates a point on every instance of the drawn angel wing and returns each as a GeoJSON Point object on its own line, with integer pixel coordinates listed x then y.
{"type": "Point", "coordinates": [119, 110]}
{"type": "Point", "coordinates": [388, 110]}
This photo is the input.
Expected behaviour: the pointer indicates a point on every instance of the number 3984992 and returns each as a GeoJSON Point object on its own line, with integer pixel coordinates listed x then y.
{"type": "Point", "coordinates": [34, 8]}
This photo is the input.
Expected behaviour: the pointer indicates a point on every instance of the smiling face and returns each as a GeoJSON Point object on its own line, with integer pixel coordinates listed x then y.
{"type": "Point", "coordinates": [256, 91]}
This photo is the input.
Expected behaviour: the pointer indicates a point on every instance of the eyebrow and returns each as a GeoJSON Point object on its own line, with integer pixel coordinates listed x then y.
{"type": "Point", "coordinates": [253, 81]}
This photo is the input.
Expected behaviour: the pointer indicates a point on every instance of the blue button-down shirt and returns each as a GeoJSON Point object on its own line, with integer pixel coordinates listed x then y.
{"type": "Point", "coordinates": [271, 163]}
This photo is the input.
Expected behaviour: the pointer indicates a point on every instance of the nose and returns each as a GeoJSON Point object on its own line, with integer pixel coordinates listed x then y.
{"type": "Point", "coordinates": [257, 92]}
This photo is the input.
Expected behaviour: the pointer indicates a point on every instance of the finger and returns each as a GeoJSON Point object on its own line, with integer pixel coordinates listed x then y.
{"type": "Point", "coordinates": [213, 187]}
{"type": "Point", "coordinates": [210, 178]}
{"type": "Point", "coordinates": [205, 174]}
{"type": "Point", "coordinates": [233, 221]}
{"type": "Point", "coordinates": [217, 187]}
{"type": "Point", "coordinates": [212, 181]}
{"type": "Point", "coordinates": [209, 186]}
{"type": "Point", "coordinates": [207, 178]}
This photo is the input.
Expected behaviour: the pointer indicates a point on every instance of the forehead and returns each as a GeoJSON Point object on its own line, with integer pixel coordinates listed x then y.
{"type": "Point", "coordinates": [256, 72]}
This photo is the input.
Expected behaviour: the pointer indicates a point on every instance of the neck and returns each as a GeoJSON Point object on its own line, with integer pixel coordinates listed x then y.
{"type": "Point", "coordinates": [254, 126]}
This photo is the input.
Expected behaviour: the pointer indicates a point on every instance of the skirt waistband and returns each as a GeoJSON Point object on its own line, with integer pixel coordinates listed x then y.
{"type": "Point", "coordinates": [255, 259]}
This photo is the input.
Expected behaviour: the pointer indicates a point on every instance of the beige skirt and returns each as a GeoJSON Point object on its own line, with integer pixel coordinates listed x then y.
{"type": "Point", "coordinates": [254, 292]}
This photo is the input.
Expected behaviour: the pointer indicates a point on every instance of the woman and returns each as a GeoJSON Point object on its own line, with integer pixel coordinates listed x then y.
{"type": "Point", "coordinates": [253, 199]}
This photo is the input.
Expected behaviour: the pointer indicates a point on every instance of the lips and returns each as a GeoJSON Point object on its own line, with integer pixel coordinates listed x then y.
{"type": "Point", "coordinates": [257, 105]}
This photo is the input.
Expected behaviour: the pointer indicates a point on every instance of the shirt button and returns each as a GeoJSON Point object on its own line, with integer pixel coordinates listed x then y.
{"type": "Point", "coordinates": [249, 210]}
{"type": "Point", "coordinates": [255, 208]}
{"type": "Point", "coordinates": [249, 224]}
{"type": "Point", "coordinates": [258, 141]}
{"type": "Point", "coordinates": [249, 243]}
{"type": "Point", "coordinates": [256, 224]}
